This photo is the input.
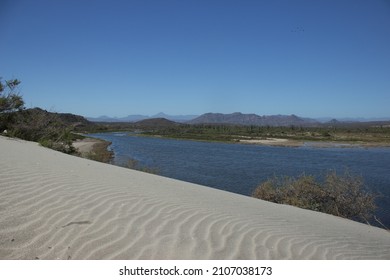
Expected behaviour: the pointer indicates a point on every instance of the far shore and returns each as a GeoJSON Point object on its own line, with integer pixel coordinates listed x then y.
{"type": "Point", "coordinates": [282, 142]}
{"type": "Point", "coordinates": [285, 142]}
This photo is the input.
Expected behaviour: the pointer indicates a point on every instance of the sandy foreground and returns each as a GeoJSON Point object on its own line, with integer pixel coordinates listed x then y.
{"type": "Point", "coordinates": [56, 206]}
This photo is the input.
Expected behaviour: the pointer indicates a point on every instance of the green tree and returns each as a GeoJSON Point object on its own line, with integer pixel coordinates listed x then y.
{"type": "Point", "coordinates": [10, 100]}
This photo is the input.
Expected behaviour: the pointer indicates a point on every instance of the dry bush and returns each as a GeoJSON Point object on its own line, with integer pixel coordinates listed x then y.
{"type": "Point", "coordinates": [10, 100]}
{"type": "Point", "coordinates": [40, 126]}
{"type": "Point", "coordinates": [340, 195]}
{"type": "Point", "coordinates": [347, 197]}
{"type": "Point", "coordinates": [100, 152]}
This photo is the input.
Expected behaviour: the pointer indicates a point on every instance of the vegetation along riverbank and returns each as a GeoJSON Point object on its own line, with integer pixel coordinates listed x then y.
{"type": "Point", "coordinates": [366, 134]}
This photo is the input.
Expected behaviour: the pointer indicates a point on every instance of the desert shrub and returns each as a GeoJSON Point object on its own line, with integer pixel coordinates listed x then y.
{"type": "Point", "coordinates": [40, 126]}
{"type": "Point", "coordinates": [340, 195]}
{"type": "Point", "coordinates": [100, 152]}
{"type": "Point", "coordinates": [346, 197]}
{"type": "Point", "coordinates": [65, 147]}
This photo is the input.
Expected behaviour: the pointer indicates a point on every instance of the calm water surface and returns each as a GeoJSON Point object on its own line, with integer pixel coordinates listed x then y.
{"type": "Point", "coordinates": [240, 168]}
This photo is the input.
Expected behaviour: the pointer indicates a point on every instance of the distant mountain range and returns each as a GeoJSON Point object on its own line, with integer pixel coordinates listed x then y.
{"type": "Point", "coordinates": [240, 119]}
{"type": "Point", "coordinates": [345, 120]}
{"type": "Point", "coordinates": [155, 123]}
{"type": "Point", "coordinates": [253, 119]}
{"type": "Point", "coordinates": [135, 118]}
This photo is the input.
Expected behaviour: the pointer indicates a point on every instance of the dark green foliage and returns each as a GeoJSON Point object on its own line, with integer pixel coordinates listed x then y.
{"type": "Point", "coordinates": [49, 129]}
{"type": "Point", "coordinates": [339, 195]}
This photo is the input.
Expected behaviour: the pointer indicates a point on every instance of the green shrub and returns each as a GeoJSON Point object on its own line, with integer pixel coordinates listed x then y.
{"type": "Point", "coordinates": [340, 195]}
{"type": "Point", "coordinates": [39, 126]}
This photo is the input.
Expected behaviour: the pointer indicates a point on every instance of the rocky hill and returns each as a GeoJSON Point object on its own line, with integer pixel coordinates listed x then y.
{"type": "Point", "coordinates": [136, 118]}
{"type": "Point", "coordinates": [253, 119]}
{"type": "Point", "coordinates": [155, 123]}
{"type": "Point", "coordinates": [36, 124]}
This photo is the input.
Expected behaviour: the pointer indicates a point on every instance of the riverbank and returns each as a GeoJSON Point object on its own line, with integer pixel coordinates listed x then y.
{"type": "Point", "coordinates": [358, 135]}
{"type": "Point", "coordinates": [280, 142]}
{"type": "Point", "coordinates": [283, 142]}
{"type": "Point", "coordinates": [56, 206]}
{"type": "Point", "coordinates": [95, 149]}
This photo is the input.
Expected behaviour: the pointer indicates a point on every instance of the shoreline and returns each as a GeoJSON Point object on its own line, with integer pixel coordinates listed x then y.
{"type": "Point", "coordinates": [93, 148]}
{"type": "Point", "coordinates": [283, 142]}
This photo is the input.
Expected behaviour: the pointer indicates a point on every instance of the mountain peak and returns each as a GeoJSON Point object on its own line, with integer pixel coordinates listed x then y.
{"type": "Point", "coordinates": [135, 118]}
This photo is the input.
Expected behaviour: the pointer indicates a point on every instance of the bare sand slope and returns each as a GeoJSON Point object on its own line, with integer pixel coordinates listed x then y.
{"type": "Point", "coordinates": [55, 206]}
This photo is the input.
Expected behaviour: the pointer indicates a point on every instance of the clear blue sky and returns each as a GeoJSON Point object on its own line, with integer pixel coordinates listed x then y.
{"type": "Point", "coordinates": [310, 58]}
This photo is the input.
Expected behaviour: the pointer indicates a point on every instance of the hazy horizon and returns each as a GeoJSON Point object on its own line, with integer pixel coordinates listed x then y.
{"type": "Point", "coordinates": [314, 59]}
{"type": "Point", "coordinates": [196, 115]}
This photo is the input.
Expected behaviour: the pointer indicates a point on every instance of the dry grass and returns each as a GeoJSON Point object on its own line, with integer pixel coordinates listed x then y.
{"type": "Point", "coordinates": [100, 153]}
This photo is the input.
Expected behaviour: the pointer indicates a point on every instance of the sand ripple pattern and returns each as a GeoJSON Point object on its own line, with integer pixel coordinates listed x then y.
{"type": "Point", "coordinates": [55, 206]}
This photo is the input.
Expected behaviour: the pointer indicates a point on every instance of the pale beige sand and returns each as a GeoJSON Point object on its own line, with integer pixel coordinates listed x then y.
{"type": "Point", "coordinates": [56, 206]}
{"type": "Point", "coordinates": [85, 146]}
{"type": "Point", "coordinates": [273, 142]}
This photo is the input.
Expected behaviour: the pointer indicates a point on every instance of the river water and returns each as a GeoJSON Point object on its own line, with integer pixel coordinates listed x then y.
{"type": "Point", "coordinates": [239, 168]}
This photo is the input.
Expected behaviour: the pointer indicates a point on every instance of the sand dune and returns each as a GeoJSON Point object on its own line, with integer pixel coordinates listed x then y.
{"type": "Point", "coordinates": [56, 206]}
